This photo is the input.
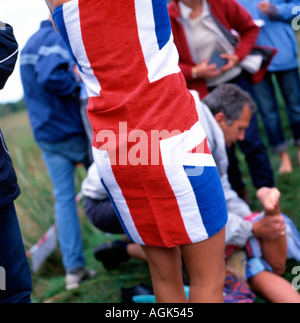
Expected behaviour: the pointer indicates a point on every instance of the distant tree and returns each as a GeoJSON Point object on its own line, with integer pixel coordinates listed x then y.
{"type": "Point", "coordinates": [9, 108]}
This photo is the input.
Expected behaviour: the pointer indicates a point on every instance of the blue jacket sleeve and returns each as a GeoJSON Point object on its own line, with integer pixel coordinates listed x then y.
{"type": "Point", "coordinates": [53, 71]}
{"type": "Point", "coordinates": [284, 10]}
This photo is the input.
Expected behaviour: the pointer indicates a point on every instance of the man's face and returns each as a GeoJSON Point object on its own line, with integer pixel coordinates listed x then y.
{"type": "Point", "coordinates": [236, 131]}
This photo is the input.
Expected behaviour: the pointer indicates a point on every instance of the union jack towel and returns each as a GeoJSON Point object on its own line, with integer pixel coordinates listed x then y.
{"type": "Point", "coordinates": [149, 146]}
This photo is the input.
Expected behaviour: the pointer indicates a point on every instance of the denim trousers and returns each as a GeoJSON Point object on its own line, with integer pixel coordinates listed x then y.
{"type": "Point", "coordinates": [61, 159]}
{"type": "Point", "coordinates": [15, 280]}
{"type": "Point", "coordinates": [289, 85]}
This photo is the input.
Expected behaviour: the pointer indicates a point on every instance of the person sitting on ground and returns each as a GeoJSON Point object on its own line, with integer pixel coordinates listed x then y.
{"type": "Point", "coordinates": [268, 229]}
{"type": "Point", "coordinates": [101, 213]}
{"type": "Point", "coordinates": [232, 109]}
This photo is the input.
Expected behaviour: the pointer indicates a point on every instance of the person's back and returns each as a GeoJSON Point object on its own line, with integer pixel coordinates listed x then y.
{"type": "Point", "coordinates": [9, 189]}
{"type": "Point", "coordinates": [50, 87]}
{"type": "Point", "coordinates": [15, 277]}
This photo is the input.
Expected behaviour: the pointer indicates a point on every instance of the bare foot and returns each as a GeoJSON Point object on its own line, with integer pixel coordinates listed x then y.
{"type": "Point", "coordinates": [286, 164]}
{"type": "Point", "coordinates": [269, 198]}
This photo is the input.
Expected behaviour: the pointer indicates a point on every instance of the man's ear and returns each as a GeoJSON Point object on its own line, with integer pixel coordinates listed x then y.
{"type": "Point", "coordinates": [220, 118]}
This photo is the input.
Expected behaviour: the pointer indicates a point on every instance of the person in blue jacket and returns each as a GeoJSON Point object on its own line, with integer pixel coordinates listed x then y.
{"type": "Point", "coordinates": [53, 103]}
{"type": "Point", "coordinates": [15, 276]}
{"type": "Point", "coordinates": [276, 20]}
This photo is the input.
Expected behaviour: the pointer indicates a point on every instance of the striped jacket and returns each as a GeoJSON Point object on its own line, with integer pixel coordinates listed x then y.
{"type": "Point", "coordinates": [50, 87]}
{"type": "Point", "coordinates": [9, 189]}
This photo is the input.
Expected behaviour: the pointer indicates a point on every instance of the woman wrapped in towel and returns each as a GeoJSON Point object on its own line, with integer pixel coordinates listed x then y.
{"type": "Point", "coordinates": [149, 145]}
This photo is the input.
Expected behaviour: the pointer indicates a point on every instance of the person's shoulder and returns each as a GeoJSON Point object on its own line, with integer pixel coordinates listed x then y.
{"type": "Point", "coordinates": [223, 5]}
{"type": "Point", "coordinates": [7, 38]}
{"type": "Point", "coordinates": [221, 8]}
{"type": "Point", "coordinates": [220, 2]}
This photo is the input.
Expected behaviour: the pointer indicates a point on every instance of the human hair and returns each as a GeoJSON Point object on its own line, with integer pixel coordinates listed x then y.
{"type": "Point", "coordinates": [229, 99]}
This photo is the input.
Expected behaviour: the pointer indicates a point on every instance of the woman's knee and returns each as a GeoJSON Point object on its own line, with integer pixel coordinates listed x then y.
{"type": "Point", "coordinates": [164, 264]}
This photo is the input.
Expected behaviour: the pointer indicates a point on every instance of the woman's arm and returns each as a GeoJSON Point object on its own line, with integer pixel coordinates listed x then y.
{"type": "Point", "coordinates": [279, 11]}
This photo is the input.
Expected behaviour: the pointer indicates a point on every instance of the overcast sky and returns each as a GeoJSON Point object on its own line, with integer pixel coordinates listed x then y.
{"type": "Point", "coordinates": [25, 17]}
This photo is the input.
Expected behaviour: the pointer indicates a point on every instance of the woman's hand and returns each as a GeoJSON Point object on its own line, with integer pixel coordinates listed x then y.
{"type": "Point", "coordinates": [264, 7]}
{"type": "Point", "coordinates": [206, 70]}
{"type": "Point", "coordinates": [232, 61]}
{"type": "Point", "coordinates": [270, 228]}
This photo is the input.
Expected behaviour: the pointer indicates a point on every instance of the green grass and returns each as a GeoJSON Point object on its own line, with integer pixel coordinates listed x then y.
{"type": "Point", "coordinates": [36, 214]}
{"type": "Point", "coordinates": [35, 208]}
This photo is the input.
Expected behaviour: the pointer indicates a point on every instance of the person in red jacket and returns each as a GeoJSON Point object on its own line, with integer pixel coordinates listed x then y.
{"type": "Point", "coordinates": [214, 39]}
{"type": "Point", "coordinates": [212, 18]}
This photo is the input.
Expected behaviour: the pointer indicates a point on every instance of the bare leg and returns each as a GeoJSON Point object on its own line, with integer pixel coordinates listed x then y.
{"type": "Point", "coordinates": [166, 273]}
{"type": "Point", "coordinates": [135, 251]}
{"type": "Point", "coordinates": [205, 264]}
{"type": "Point", "coordinates": [206, 267]}
{"type": "Point", "coordinates": [275, 252]}
{"type": "Point", "coordinates": [274, 288]}
{"type": "Point", "coordinates": [286, 164]}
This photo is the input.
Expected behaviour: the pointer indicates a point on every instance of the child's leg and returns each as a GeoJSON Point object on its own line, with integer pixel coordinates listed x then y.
{"type": "Point", "coordinates": [166, 273]}
{"type": "Point", "coordinates": [274, 288]}
{"type": "Point", "coordinates": [206, 267]}
{"type": "Point", "coordinates": [275, 252]}
{"type": "Point", "coordinates": [269, 197]}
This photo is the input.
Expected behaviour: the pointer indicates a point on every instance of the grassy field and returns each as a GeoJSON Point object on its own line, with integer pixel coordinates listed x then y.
{"type": "Point", "coordinates": [36, 215]}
